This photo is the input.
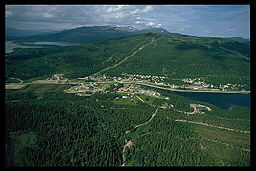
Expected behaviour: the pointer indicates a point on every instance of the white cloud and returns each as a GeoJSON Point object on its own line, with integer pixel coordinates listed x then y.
{"type": "Point", "coordinates": [191, 19]}
{"type": "Point", "coordinates": [232, 30]}
{"type": "Point", "coordinates": [115, 8]}
{"type": "Point", "coordinates": [207, 31]}
{"type": "Point", "coordinates": [8, 13]}
{"type": "Point", "coordinates": [150, 23]}
{"type": "Point", "coordinates": [47, 15]}
{"type": "Point", "coordinates": [139, 22]}
{"type": "Point", "coordinates": [147, 9]}
{"type": "Point", "coordinates": [136, 11]}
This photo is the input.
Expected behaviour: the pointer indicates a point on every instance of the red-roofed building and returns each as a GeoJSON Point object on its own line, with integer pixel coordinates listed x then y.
{"type": "Point", "coordinates": [125, 90]}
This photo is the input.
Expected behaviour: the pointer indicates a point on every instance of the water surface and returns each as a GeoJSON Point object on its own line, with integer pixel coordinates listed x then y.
{"type": "Point", "coordinates": [221, 100]}
{"type": "Point", "coordinates": [52, 43]}
{"type": "Point", "coordinates": [10, 45]}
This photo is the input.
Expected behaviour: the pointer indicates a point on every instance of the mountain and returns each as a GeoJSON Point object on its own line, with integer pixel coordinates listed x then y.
{"type": "Point", "coordinates": [240, 40]}
{"type": "Point", "coordinates": [125, 28]}
{"type": "Point", "coordinates": [174, 56]}
{"type": "Point", "coordinates": [95, 33]}
{"type": "Point", "coordinates": [11, 33]}
{"type": "Point", "coordinates": [154, 30]}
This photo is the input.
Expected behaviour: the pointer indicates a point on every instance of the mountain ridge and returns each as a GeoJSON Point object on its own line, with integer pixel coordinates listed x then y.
{"type": "Point", "coordinates": [13, 32]}
{"type": "Point", "coordinates": [94, 33]}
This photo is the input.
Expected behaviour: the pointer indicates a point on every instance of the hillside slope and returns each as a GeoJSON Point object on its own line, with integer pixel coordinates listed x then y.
{"type": "Point", "coordinates": [175, 56]}
{"type": "Point", "coordinates": [73, 61]}
{"type": "Point", "coordinates": [95, 33]}
{"type": "Point", "coordinates": [13, 33]}
{"type": "Point", "coordinates": [241, 40]}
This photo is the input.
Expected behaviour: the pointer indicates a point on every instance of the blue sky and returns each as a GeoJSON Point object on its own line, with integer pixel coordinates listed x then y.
{"type": "Point", "coordinates": [196, 20]}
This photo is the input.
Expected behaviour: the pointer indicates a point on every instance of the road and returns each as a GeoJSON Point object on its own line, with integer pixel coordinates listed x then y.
{"type": "Point", "coordinates": [134, 82]}
{"type": "Point", "coordinates": [173, 89]}
{"type": "Point", "coordinates": [21, 81]}
{"type": "Point", "coordinates": [127, 57]}
{"type": "Point", "coordinates": [130, 142]}
{"type": "Point", "coordinates": [214, 126]}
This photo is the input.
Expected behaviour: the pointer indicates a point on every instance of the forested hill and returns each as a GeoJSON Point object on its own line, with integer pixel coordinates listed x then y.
{"type": "Point", "coordinates": [240, 40]}
{"type": "Point", "coordinates": [87, 34]}
{"type": "Point", "coordinates": [174, 56]}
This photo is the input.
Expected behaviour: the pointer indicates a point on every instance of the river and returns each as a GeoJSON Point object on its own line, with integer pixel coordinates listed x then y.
{"type": "Point", "coordinates": [221, 100]}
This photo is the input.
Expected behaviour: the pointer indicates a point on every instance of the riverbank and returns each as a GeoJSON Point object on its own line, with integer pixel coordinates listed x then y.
{"type": "Point", "coordinates": [172, 89]}
{"type": "Point", "coordinates": [195, 91]}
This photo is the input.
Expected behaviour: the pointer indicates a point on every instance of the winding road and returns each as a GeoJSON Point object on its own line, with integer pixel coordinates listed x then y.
{"type": "Point", "coordinates": [130, 142]}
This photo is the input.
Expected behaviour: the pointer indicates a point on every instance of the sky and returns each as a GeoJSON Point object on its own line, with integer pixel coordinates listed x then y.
{"type": "Point", "coordinates": [195, 20]}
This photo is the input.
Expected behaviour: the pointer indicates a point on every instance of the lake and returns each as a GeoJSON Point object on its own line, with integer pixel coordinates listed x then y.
{"type": "Point", "coordinates": [53, 43]}
{"type": "Point", "coordinates": [221, 100]}
{"type": "Point", "coordinates": [10, 45]}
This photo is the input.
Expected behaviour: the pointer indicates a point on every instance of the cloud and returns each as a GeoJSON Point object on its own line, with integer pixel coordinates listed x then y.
{"type": "Point", "coordinates": [231, 30]}
{"type": "Point", "coordinates": [8, 13]}
{"type": "Point", "coordinates": [150, 24]}
{"type": "Point", "coordinates": [139, 22]}
{"type": "Point", "coordinates": [75, 15]}
{"type": "Point", "coordinates": [187, 19]}
{"type": "Point", "coordinates": [207, 31]}
{"type": "Point", "coordinates": [147, 9]}
{"type": "Point", "coordinates": [47, 15]}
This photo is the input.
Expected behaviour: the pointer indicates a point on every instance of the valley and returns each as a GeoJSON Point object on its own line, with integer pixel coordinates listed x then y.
{"type": "Point", "coordinates": [125, 118]}
{"type": "Point", "coordinates": [107, 103]}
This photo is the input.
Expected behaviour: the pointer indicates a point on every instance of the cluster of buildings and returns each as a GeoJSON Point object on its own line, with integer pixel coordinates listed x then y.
{"type": "Point", "coordinates": [136, 89]}
{"type": "Point", "coordinates": [125, 90]}
{"type": "Point", "coordinates": [149, 78]}
{"type": "Point", "coordinates": [196, 84]}
{"type": "Point", "coordinates": [55, 78]}
{"type": "Point", "coordinates": [85, 89]}
{"type": "Point", "coordinates": [231, 86]}
{"type": "Point", "coordinates": [198, 108]}
{"type": "Point", "coordinates": [149, 93]}
{"type": "Point", "coordinates": [199, 84]}
{"type": "Point", "coordinates": [89, 78]}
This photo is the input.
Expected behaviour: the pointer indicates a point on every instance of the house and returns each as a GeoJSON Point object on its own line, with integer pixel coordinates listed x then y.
{"type": "Point", "coordinates": [125, 90]}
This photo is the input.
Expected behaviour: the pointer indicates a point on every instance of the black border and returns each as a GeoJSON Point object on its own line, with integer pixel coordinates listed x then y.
{"type": "Point", "coordinates": [252, 4]}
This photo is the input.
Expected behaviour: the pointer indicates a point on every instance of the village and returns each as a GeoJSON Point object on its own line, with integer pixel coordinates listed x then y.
{"type": "Point", "coordinates": [89, 88]}
{"type": "Point", "coordinates": [197, 84]}
{"type": "Point", "coordinates": [90, 84]}
{"type": "Point", "coordinates": [87, 85]}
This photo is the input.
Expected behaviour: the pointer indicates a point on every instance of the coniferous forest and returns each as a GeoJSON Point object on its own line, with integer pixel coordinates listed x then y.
{"type": "Point", "coordinates": [52, 128]}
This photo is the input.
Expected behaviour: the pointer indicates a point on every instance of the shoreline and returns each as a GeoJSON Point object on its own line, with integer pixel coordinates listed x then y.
{"type": "Point", "coordinates": [194, 91]}
{"type": "Point", "coordinates": [149, 85]}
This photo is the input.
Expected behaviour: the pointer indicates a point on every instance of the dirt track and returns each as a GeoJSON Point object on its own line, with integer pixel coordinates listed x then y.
{"type": "Point", "coordinates": [214, 126]}
{"type": "Point", "coordinates": [129, 143]}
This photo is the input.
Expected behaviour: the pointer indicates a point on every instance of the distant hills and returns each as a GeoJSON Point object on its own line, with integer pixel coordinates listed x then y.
{"type": "Point", "coordinates": [12, 33]}
{"type": "Point", "coordinates": [240, 40]}
{"type": "Point", "coordinates": [87, 34]}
